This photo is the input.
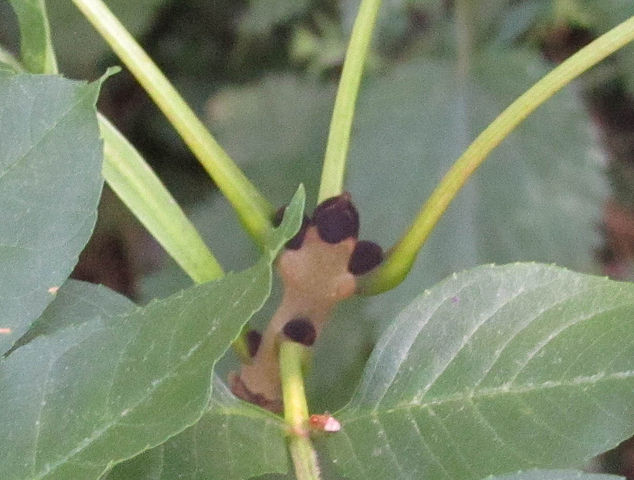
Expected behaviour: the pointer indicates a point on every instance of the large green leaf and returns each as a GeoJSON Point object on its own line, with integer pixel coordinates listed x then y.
{"type": "Point", "coordinates": [493, 370]}
{"type": "Point", "coordinates": [88, 396]}
{"type": "Point", "coordinates": [554, 475]}
{"type": "Point", "coordinates": [50, 182]}
{"type": "Point", "coordinates": [233, 440]}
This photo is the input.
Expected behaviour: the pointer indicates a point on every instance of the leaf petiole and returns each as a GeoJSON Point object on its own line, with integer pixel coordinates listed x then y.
{"type": "Point", "coordinates": [333, 172]}
{"type": "Point", "coordinates": [253, 209]}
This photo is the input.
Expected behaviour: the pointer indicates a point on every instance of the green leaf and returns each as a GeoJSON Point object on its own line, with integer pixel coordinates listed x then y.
{"type": "Point", "coordinates": [35, 41]}
{"type": "Point", "coordinates": [78, 401]}
{"type": "Point", "coordinates": [50, 182]}
{"type": "Point", "coordinates": [495, 369]}
{"type": "Point", "coordinates": [233, 440]}
{"type": "Point", "coordinates": [554, 475]}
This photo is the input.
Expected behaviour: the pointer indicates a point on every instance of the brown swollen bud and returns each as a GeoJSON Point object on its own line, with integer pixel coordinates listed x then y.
{"type": "Point", "coordinates": [365, 256]}
{"type": "Point", "coordinates": [300, 330]}
{"type": "Point", "coordinates": [336, 219]}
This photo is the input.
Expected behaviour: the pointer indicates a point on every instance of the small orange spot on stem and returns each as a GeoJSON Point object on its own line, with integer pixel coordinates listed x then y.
{"type": "Point", "coordinates": [5, 331]}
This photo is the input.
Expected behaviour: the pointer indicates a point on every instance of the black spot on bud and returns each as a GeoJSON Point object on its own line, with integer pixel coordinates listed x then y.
{"type": "Point", "coordinates": [294, 243]}
{"type": "Point", "coordinates": [253, 341]}
{"type": "Point", "coordinates": [336, 219]}
{"type": "Point", "coordinates": [300, 330]}
{"type": "Point", "coordinates": [365, 256]}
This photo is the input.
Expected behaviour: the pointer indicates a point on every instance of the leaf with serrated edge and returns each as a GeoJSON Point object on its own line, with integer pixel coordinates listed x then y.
{"type": "Point", "coordinates": [233, 440]}
{"type": "Point", "coordinates": [554, 475]}
{"type": "Point", "coordinates": [91, 395]}
{"type": "Point", "coordinates": [493, 370]}
{"type": "Point", "coordinates": [50, 183]}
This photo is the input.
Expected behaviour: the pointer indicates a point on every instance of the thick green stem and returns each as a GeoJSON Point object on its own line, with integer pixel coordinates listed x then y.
{"type": "Point", "coordinates": [253, 209]}
{"type": "Point", "coordinates": [131, 178]}
{"type": "Point", "coordinates": [292, 357]}
{"type": "Point", "coordinates": [402, 256]}
{"type": "Point", "coordinates": [333, 172]}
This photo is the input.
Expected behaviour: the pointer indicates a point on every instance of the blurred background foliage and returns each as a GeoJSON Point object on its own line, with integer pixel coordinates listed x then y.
{"type": "Point", "coordinates": [263, 74]}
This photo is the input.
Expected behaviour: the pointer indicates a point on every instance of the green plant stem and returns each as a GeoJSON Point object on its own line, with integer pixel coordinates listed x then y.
{"type": "Point", "coordinates": [402, 256]}
{"type": "Point", "coordinates": [333, 172]}
{"type": "Point", "coordinates": [292, 357]}
{"type": "Point", "coordinates": [253, 209]}
{"type": "Point", "coordinates": [131, 178]}
{"type": "Point", "coordinates": [36, 48]}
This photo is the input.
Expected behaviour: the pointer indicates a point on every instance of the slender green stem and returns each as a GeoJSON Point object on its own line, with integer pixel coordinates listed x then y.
{"type": "Point", "coordinates": [401, 257]}
{"type": "Point", "coordinates": [35, 38]}
{"type": "Point", "coordinates": [333, 172]}
{"type": "Point", "coordinates": [292, 357]}
{"type": "Point", "coordinates": [144, 194]}
{"type": "Point", "coordinates": [253, 209]}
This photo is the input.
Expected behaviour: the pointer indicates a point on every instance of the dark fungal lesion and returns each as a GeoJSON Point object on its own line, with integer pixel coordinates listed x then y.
{"type": "Point", "coordinates": [336, 219]}
{"type": "Point", "coordinates": [300, 330]}
{"type": "Point", "coordinates": [318, 268]}
{"type": "Point", "coordinates": [365, 257]}
{"type": "Point", "coordinates": [254, 338]}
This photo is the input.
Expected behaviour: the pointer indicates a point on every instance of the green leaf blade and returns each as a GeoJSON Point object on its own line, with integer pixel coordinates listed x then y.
{"type": "Point", "coordinates": [50, 183]}
{"type": "Point", "coordinates": [111, 386]}
{"type": "Point", "coordinates": [233, 440]}
{"type": "Point", "coordinates": [492, 371]}
{"type": "Point", "coordinates": [554, 475]}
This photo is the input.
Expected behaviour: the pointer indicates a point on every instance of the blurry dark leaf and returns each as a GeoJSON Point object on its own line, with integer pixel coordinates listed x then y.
{"type": "Point", "coordinates": [261, 16]}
